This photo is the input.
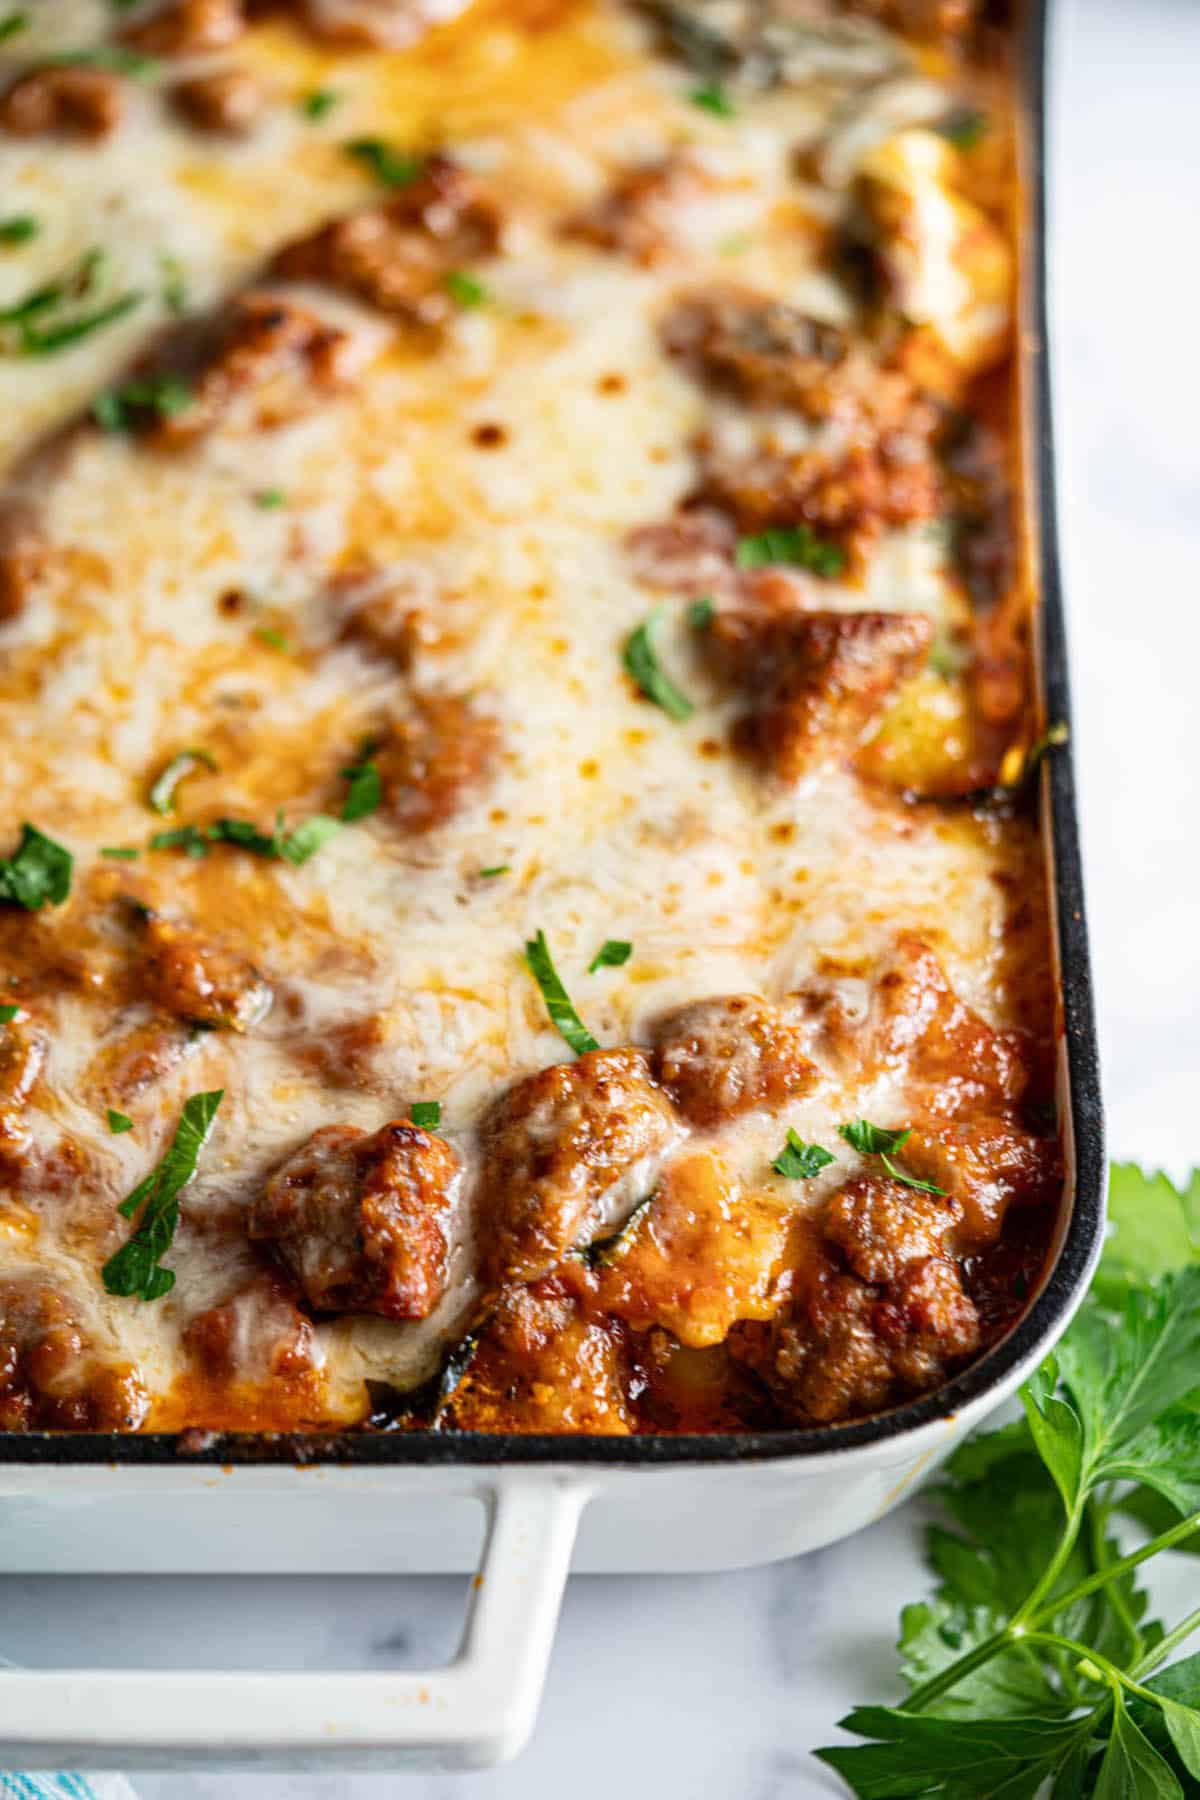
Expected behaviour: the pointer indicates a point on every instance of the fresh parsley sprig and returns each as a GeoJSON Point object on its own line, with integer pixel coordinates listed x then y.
{"type": "Point", "coordinates": [563, 1017]}
{"type": "Point", "coordinates": [640, 657]}
{"type": "Point", "coordinates": [1035, 1662]}
{"type": "Point", "coordinates": [38, 873]}
{"type": "Point", "coordinates": [135, 1269]}
{"type": "Point", "coordinates": [875, 1140]}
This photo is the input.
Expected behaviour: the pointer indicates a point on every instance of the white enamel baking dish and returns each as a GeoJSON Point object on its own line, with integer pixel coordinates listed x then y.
{"type": "Point", "coordinates": [408, 1503]}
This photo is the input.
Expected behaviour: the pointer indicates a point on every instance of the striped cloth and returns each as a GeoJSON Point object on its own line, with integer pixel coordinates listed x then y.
{"type": "Point", "coordinates": [65, 1787]}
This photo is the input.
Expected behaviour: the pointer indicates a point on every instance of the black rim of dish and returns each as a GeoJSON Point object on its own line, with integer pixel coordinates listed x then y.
{"type": "Point", "coordinates": [1082, 1238]}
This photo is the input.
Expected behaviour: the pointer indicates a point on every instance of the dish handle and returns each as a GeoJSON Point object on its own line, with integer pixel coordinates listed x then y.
{"type": "Point", "coordinates": [477, 1710]}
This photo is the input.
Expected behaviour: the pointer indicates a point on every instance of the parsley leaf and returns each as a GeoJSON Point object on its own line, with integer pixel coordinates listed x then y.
{"type": "Point", "coordinates": [38, 873]}
{"type": "Point", "coordinates": [297, 846]}
{"type": "Point", "coordinates": [874, 1140]}
{"type": "Point", "coordinates": [563, 1017]}
{"type": "Point", "coordinates": [366, 791]}
{"type": "Point", "coordinates": [496, 869]}
{"type": "Point", "coordinates": [964, 127]}
{"type": "Point", "coordinates": [161, 797]}
{"type": "Point", "coordinates": [612, 954]}
{"type": "Point", "coordinates": [641, 662]}
{"type": "Point", "coordinates": [800, 1161]}
{"type": "Point", "coordinates": [118, 1121]}
{"type": "Point", "coordinates": [12, 23]}
{"type": "Point", "coordinates": [395, 168]}
{"type": "Point", "coordinates": [465, 289]}
{"type": "Point", "coordinates": [700, 612]}
{"type": "Point", "coordinates": [119, 852]}
{"type": "Point", "coordinates": [795, 545]}
{"type": "Point", "coordinates": [18, 229]}
{"type": "Point", "coordinates": [136, 1268]}
{"type": "Point", "coordinates": [293, 846]}
{"type": "Point", "coordinates": [426, 1113]}
{"type": "Point", "coordinates": [158, 396]}
{"type": "Point", "coordinates": [8, 1013]}
{"type": "Point", "coordinates": [181, 837]}
{"type": "Point", "coordinates": [711, 97]}
{"type": "Point", "coordinates": [319, 102]}
{"type": "Point", "coordinates": [270, 499]}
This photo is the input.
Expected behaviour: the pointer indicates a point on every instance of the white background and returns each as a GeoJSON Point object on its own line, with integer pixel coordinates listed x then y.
{"type": "Point", "coordinates": [720, 1686]}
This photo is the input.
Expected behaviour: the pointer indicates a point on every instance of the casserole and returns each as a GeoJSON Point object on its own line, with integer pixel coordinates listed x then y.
{"type": "Point", "coordinates": [652, 1502]}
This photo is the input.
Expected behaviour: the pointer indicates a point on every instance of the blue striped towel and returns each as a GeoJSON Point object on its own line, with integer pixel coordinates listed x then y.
{"type": "Point", "coordinates": [65, 1787]}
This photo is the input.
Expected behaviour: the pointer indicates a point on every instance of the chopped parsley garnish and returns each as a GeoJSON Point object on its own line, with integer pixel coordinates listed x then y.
{"type": "Point", "coordinates": [174, 283]}
{"type": "Point", "coordinates": [602, 1251]}
{"type": "Point", "coordinates": [465, 289]}
{"type": "Point", "coordinates": [800, 1161]}
{"type": "Point", "coordinates": [19, 229]}
{"type": "Point", "coordinates": [366, 791]}
{"type": "Point", "coordinates": [12, 23]}
{"type": "Point", "coordinates": [294, 846]}
{"type": "Point", "coordinates": [426, 1113]}
{"type": "Point", "coordinates": [274, 640]}
{"type": "Point", "coordinates": [120, 852]}
{"type": "Point", "coordinates": [875, 1140]}
{"type": "Point", "coordinates": [270, 499]}
{"type": "Point", "coordinates": [795, 545]}
{"type": "Point", "coordinates": [641, 662]}
{"type": "Point", "coordinates": [319, 102]}
{"type": "Point", "coordinates": [114, 58]}
{"type": "Point", "coordinates": [162, 792]}
{"type": "Point", "coordinates": [964, 127]}
{"type": "Point", "coordinates": [711, 97]}
{"type": "Point", "coordinates": [8, 1013]}
{"type": "Point", "coordinates": [189, 838]}
{"type": "Point", "coordinates": [118, 1121]}
{"type": "Point", "coordinates": [700, 612]}
{"type": "Point", "coordinates": [395, 168]}
{"type": "Point", "coordinates": [136, 1268]}
{"type": "Point", "coordinates": [612, 953]}
{"type": "Point", "coordinates": [297, 846]}
{"type": "Point", "coordinates": [563, 1017]}
{"type": "Point", "coordinates": [116, 409]}
{"type": "Point", "coordinates": [38, 873]}
{"type": "Point", "coordinates": [496, 869]}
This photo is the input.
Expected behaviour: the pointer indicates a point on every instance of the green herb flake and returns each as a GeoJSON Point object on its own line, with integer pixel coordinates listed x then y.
{"type": "Point", "coordinates": [120, 852]}
{"type": "Point", "coordinates": [796, 546]}
{"type": "Point", "coordinates": [118, 1121]}
{"type": "Point", "coordinates": [11, 24]}
{"type": "Point", "coordinates": [274, 640]}
{"type": "Point", "coordinates": [395, 168]}
{"type": "Point", "coordinates": [875, 1140]}
{"type": "Point", "coordinates": [800, 1161]}
{"type": "Point", "coordinates": [115, 59]}
{"type": "Point", "coordinates": [964, 127]}
{"type": "Point", "coordinates": [494, 870]}
{"type": "Point", "coordinates": [188, 838]}
{"type": "Point", "coordinates": [563, 1017]}
{"type": "Point", "coordinates": [426, 1113]}
{"type": "Point", "coordinates": [465, 290]}
{"type": "Point", "coordinates": [701, 612]}
{"type": "Point", "coordinates": [270, 499]}
{"type": "Point", "coordinates": [297, 846]}
{"type": "Point", "coordinates": [136, 1268]}
{"type": "Point", "coordinates": [365, 793]}
{"type": "Point", "coordinates": [712, 98]}
{"type": "Point", "coordinates": [174, 283]}
{"type": "Point", "coordinates": [612, 954]}
{"type": "Point", "coordinates": [8, 1013]}
{"type": "Point", "coordinates": [38, 873]}
{"type": "Point", "coordinates": [161, 797]}
{"type": "Point", "coordinates": [318, 103]}
{"type": "Point", "coordinates": [641, 662]}
{"type": "Point", "coordinates": [18, 229]}
{"type": "Point", "coordinates": [160, 396]}
{"type": "Point", "coordinates": [48, 340]}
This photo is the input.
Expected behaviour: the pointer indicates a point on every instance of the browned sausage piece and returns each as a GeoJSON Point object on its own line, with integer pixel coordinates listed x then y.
{"type": "Point", "coordinates": [24, 556]}
{"type": "Point", "coordinates": [73, 102]}
{"type": "Point", "coordinates": [986, 1164]}
{"type": "Point", "coordinates": [258, 1334]}
{"type": "Point", "coordinates": [819, 678]}
{"type": "Point", "coordinates": [719, 1058]}
{"type": "Point", "coordinates": [639, 214]}
{"type": "Point", "coordinates": [23, 1046]}
{"type": "Point", "coordinates": [200, 979]}
{"type": "Point", "coordinates": [229, 102]}
{"type": "Point", "coordinates": [396, 256]}
{"type": "Point", "coordinates": [187, 27]}
{"type": "Point", "coordinates": [880, 1225]}
{"type": "Point", "coordinates": [689, 554]}
{"type": "Point", "coordinates": [50, 1375]}
{"type": "Point", "coordinates": [358, 1221]}
{"type": "Point", "coordinates": [760, 350]}
{"type": "Point", "coordinates": [556, 1143]}
{"type": "Point", "coordinates": [262, 359]}
{"type": "Point", "coordinates": [384, 609]}
{"type": "Point", "coordinates": [433, 759]}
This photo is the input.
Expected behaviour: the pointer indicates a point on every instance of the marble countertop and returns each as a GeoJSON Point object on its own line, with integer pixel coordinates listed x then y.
{"type": "Point", "coordinates": [719, 1686]}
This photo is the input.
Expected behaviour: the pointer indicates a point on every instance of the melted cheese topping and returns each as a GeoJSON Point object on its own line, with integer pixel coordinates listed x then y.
{"type": "Point", "coordinates": [501, 472]}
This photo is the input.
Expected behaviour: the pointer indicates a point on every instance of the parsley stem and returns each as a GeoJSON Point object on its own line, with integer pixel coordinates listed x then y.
{"type": "Point", "coordinates": [1102, 1557]}
{"type": "Point", "coordinates": [1101, 1664]}
{"type": "Point", "coordinates": [1164, 1541]}
{"type": "Point", "coordinates": [933, 1689]}
{"type": "Point", "coordinates": [1159, 1652]}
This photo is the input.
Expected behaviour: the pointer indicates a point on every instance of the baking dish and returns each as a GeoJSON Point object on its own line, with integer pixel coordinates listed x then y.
{"type": "Point", "coordinates": [410, 1502]}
